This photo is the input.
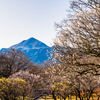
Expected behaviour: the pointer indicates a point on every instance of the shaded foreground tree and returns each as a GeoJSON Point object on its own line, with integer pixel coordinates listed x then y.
{"type": "Point", "coordinates": [12, 61]}
{"type": "Point", "coordinates": [77, 44]}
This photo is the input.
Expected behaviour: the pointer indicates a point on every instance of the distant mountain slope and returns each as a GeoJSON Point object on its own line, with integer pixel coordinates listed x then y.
{"type": "Point", "coordinates": [34, 49]}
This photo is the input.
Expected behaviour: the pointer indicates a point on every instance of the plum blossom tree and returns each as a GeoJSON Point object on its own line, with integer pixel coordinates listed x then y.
{"type": "Point", "coordinates": [34, 82]}
{"type": "Point", "coordinates": [63, 90]}
{"type": "Point", "coordinates": [11, 89]}
{"type": "Point", "coordinates": [86, 86]}
{"type": "Point", "coordinates": [77, 47]}
{"type": "Point", "coordinates": [78, 38]}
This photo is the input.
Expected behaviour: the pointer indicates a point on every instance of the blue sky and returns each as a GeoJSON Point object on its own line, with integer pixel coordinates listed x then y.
{"type": "Point", "coordinates": [22, 19]}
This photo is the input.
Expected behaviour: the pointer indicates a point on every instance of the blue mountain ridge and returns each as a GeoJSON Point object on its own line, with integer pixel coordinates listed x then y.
{"type": "Point", "coordinates": [34, 49]}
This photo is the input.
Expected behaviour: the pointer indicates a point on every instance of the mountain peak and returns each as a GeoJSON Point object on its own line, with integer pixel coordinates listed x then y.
{"type": "Point", "coordinates": [30, 43]}
{"type": "Point", "coordinates": [32, 39]}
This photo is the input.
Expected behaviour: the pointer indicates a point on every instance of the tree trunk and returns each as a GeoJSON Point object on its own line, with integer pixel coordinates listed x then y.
{"type": "Point", "coordinates": [98, 98]}
{"type": "Point", "coordinates": [23, 96]}
{"type": "Point", "coordinates": [64, 98]}
{"type": "Point", "coordinates": [68, 97]}
{"type": "Point", "coordinates": [92, 97]}
{"type": "Point", "coordinates": [76, 97]}
{"type": "Point", "coordinates": [53, 95]}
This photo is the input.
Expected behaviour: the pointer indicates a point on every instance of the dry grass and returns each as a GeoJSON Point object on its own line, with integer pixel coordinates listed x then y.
{"type": "Point", "coordinates": [71, 98]}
